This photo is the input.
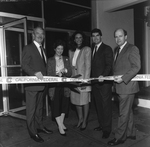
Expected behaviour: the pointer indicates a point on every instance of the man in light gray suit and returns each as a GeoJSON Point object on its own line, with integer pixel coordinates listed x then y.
{"type": "Point", "coordinates": [127, 63]}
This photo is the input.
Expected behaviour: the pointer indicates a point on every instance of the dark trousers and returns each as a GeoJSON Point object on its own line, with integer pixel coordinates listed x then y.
{"type": "Point", "coordinates": [102, 95]}
{"type": "Point", "coordinates": [34, 111]}
{"type": "Point", "coordinates": [60, 103]}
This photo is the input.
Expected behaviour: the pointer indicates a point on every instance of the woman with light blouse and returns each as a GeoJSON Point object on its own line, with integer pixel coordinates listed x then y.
{"type": "Point", "coordinates": [59, 65]}
{"type": "Point", "coordinates": [80, 58]}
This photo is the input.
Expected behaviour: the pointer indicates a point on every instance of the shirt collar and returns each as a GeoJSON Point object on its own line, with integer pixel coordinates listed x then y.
{"type": "Point", "coordinates": [122, 46]}
{"type": "Point", "coordinates": [98, 45]}
{"type": "Point", "coordinates": [37, 44]}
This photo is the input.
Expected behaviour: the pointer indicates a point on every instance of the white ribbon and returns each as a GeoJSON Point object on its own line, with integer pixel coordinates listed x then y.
{"type": "Point", "coordinates": [33, 79]}
{"type": "Point", "coordinates": [51, 79]}
{"type": "Point", "coordinates": [139, 77]}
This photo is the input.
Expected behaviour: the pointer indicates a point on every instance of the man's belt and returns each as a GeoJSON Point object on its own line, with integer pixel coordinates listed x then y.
{"type": "Point", "coordinates": [52, 79]}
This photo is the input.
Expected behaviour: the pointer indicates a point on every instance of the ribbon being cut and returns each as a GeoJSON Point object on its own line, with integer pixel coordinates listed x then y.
{"type": "Point", "coordinates": [52, 79]}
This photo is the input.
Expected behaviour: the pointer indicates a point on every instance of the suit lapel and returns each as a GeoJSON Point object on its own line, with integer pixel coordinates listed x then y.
{"type": "Point", "coordinates": [36, 51]}
{"type": "Point", "coordinates": [79, 56]}
{"type": "Point", "coordinates": [53, 63]}
{"type": "Point", "coordinates": [125, 48]}
{"type": "Point", "coordinates": [99, 50]}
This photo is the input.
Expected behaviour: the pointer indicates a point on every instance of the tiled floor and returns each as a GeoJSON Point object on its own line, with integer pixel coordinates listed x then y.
{"type": "Point", "coordinates": [13, 131]}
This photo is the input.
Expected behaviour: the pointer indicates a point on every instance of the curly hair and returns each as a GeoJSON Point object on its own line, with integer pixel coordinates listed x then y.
{"type": "Point", "coordinates": [72, 43]}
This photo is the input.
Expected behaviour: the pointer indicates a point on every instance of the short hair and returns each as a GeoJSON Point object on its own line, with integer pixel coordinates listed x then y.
{"type": "Point", "coordinates": [96, 31]}
{"type": "Point", "coordinates": [57, 43]}
{"type": "Point", "coordinates": [124, 31]}
{"type": "Point", "coordinates": [38, 27]}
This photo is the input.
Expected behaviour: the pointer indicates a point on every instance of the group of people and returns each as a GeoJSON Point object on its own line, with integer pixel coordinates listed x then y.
{"type": "Point", "coordinates": [96, 61]}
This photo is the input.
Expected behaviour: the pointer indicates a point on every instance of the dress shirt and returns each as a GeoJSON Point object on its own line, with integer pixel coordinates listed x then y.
{"type": "Point", "coordinates": [96, 48]}
{"type": "Point", "coordinates": [39, 49]}
{"type": "Point", "coordinates": [76, 53]}
{"type": "Point", "coordinates": [59, 64]}
{"type": "Point", "coordinates": [120, 49]}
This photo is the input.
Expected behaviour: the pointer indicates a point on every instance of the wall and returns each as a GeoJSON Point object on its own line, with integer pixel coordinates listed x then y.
{"type": "Point", "coordinates": [109, 21]}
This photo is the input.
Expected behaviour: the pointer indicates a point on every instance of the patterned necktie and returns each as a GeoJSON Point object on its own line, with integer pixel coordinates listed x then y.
{"type": "Point", "coordinates": [94, 52]}
{"type": "Point", "coordinates": [42, 53]}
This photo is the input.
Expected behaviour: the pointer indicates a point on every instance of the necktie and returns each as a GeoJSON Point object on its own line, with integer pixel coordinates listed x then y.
{"type": "Point", "coordinates": [94, 52]}
{"type": "Point", "coordinates": [117, 53]}
{"type": "Point", "coordinates": [42, 53]}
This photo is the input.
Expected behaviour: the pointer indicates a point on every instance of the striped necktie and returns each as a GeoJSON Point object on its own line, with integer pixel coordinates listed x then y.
{"type": "Point", "coordinates": [42, 54]}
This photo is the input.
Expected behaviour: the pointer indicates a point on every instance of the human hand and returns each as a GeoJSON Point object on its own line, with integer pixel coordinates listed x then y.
{"type": "Point", "coordinates": [59, 74]}
{"type": "Point", "coordinates": [64, 70]}
{"type": "Point", "coordinates": [118, 79]}
{"type": "Point", "coordinates": [39, 75]}
{"type": "Point", "coordinates": [100, 78]}
{"type": "Point", "coordinates": [80, 89]}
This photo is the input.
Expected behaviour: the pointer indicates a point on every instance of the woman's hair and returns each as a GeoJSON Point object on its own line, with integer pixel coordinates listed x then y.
{"type": "Point", "coordinates": [72, 43]}
{"type": "Point", "coordinates": [57, 43]}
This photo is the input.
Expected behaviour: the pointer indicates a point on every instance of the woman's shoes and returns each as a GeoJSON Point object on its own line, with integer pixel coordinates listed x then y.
{"type": "Point", "coordinates": [79, 125]}
{"type": "Point", "coordinates": [61, 131]}
{"type": "Point", "coordinates": [83, 128]}
{"type": "Point", "coordinates": [66, 129]}
{"type": "Point", "coordinates": [63, 134]}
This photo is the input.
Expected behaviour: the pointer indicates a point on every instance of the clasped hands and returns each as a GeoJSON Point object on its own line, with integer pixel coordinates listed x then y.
{"type": "Point", "coordinates": [61, 72]}
{"type": "Point", "coordinates": [117, 79]}
{"type": "Point", "coordinates": [101, 78]}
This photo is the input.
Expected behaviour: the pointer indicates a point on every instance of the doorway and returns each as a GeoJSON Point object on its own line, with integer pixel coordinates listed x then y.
{"type": "Point", "coordinates": [13, 36]}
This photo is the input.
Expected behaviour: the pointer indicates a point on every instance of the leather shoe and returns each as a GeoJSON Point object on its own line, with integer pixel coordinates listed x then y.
{"type": "Point", "coordinates": [105, 135]}
{"type": "Point", "coordinates": [37, 138]}
{"type": "Point", "coordinates": [98, 129]}
{"type": "Point", "coordinates": [131, 137]}
{"type": "Point", "coordinates": [45, 130]}
{"type": "Point", "coordinates": [63, 134]}
{"type": "Point", "coordinates": [115, 142]}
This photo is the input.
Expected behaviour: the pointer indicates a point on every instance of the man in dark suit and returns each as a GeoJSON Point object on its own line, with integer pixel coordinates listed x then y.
{"type": "Point", "coordinates": [33, 63]}
{"type": "Point", "coordinates": [127, 64]}
{"type": "Point", "coordinates": [102, 60]}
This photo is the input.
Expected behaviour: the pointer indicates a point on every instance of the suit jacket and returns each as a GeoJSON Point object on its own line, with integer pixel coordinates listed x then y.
{"type": "Point", "coordinates": [32, 62]}
{"type": "Point", "coordinates": [127, 64]}
{"type": "Point", "coordinates": [102, 63]}
{"type": "Point", "coordinates": [51, 71]}
{"type": "Point", "coordinates": [83, 65]}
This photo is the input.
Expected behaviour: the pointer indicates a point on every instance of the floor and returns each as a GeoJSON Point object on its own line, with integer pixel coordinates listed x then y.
{"type": "Point", "coordinates": [13, 131]}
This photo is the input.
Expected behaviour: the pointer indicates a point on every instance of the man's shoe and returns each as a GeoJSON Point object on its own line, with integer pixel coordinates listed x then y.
{"type": "Point", "coordinates": [105, 135]}
{"type": "Point", "coordinates": [45, 130]}
{"type": "Point", "coordinates": [131, 137]}
{"type": "Point", "coordinates": [98, 129]}
{"type": "Point", "coordinates": [115, 142]}
{"type": "Point", "coordinates": [37, 138]}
